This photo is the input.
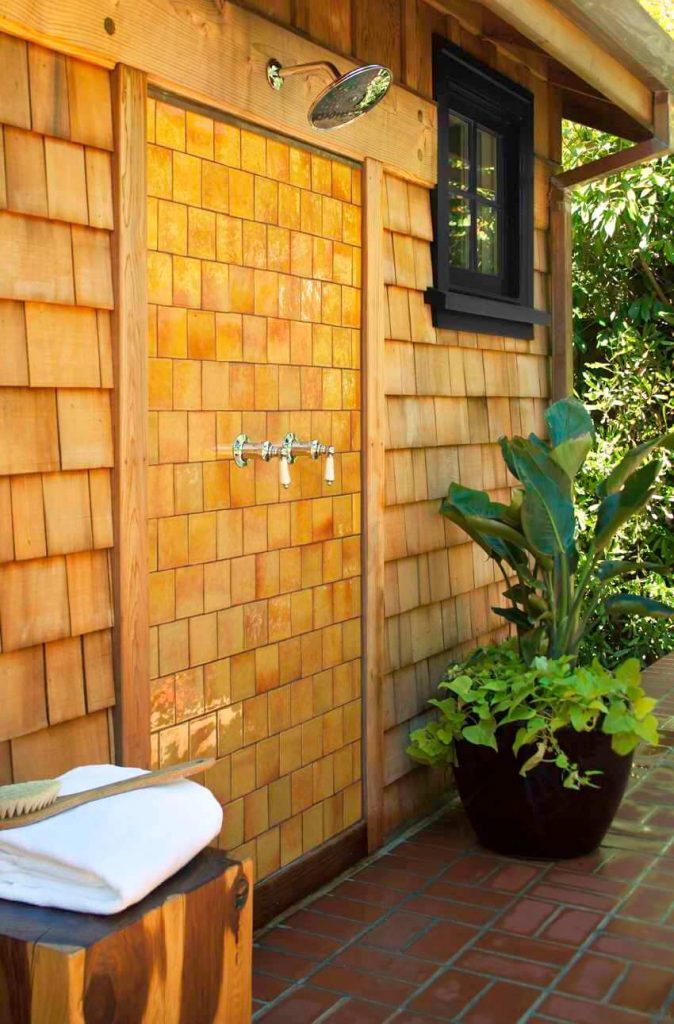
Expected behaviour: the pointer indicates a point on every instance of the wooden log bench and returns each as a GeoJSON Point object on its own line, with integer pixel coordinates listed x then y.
{"type": "Point", "coordinates": [180, 956]}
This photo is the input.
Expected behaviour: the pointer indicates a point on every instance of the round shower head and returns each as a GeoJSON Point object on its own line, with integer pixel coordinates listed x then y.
{"type": "Point", "coordinates": [350, 96]}
{"type": "Point", "coordinates": [346, 98]}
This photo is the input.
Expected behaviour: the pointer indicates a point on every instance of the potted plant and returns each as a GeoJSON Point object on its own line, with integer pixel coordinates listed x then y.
{"type": "Point", "coordinates": [541, 745]}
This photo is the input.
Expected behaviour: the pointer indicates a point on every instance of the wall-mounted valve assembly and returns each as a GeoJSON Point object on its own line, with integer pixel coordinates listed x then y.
{"type": "Point", "coordinates": [290, 448]}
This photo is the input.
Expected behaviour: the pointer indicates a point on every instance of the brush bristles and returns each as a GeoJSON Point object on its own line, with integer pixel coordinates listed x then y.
{"type": "Point", "coordinates": [25, 797]}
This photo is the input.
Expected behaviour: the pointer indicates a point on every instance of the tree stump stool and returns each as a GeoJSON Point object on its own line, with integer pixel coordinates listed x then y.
{"type": "Point", "coordinates": [181, 956]}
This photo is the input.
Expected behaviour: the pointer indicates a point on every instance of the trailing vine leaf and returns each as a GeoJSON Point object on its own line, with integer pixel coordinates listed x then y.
{"type": "Point", "coordinates": [482, 734]}
{"type": "Point", "coordinates": [493, 689]}
{"type": "Point", "coordinates": [535, 758]}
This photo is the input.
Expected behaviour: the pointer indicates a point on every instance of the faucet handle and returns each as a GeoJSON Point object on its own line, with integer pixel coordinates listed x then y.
{"type": "Point", "coordinates": [284, 471]}
{"type": "Point", "coordinates": [330, 467]}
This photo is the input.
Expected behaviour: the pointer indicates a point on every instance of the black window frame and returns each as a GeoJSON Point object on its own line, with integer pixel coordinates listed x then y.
{"type": "Point", "coordinates": [468, 299]}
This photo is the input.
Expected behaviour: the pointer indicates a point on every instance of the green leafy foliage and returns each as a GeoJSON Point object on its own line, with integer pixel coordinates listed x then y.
{"type": "Point", "coordinates": [494, 688]}
{"type": "Point", "coordinates": [563, 575]}
{"type": "Point", "coordinates": [624, 355]}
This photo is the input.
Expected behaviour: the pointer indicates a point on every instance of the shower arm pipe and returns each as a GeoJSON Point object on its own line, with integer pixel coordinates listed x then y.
{"type": "Point", "coordinates": [277, 72]}
{"type": "Point", "coordinates": [314, 65]}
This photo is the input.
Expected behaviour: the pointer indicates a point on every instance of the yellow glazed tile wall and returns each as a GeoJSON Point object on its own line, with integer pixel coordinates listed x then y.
{"type": "Point", "coordinates": [254, 326]}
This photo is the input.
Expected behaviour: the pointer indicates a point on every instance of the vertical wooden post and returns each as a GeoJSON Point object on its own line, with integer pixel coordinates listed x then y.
{"type": "Point", "coordinates": [561, 243]}
{"type": "Point", "coordinates": [130, 557]}
{"type": "Point", "coordinates": [373, 486]}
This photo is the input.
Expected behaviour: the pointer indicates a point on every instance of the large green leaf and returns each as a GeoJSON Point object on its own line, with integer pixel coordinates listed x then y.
{"type": "Point", "coordinates": [530, 644]}
{"type": "Point", "coordinates": [618, 507]}
{"type": "Point", "coordinates": [571, 434]}
{"type": "Point", "coordinates": [507, 453]}
{"type": "Point", "coordinates": [568, 418]}
{"type": "Point", "coordinates": [484, 536]}
{"type": "Point", "coordinates": [514, 615]}
{"type": "Point", "coordinates": [635, 604]}
{"type": "Point", "coordinates": [548, 519]}
{"type": "Point", "coordinates": [616, 567]}
{"type": "Point", "coordinates": [495, 528]}
{"type": "Point", "coordinates": [470, 502]}
{"type": "Point", "coordinates": [631, 462]}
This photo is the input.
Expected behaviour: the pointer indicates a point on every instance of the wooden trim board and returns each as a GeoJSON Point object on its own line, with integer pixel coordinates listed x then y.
{"type": "Point", "coordinates": [626, 29]}
{"type": "Point", "coordinates": [561, 244]}
{"type": "Point", "coordinates": [374, 418]}
{"type": "Point", "coordinates": [220, 59]}
{"type": "Point", "coordinates": [130, 555]}
{"type": "Point", "coordinates": [659, 144]}
{"type": "Point", "coordinates": [556, 34]}
{"type": "Point", "coordinates": [308, 874]}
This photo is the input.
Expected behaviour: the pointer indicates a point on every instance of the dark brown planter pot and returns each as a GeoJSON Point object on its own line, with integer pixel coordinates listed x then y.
{"type": "Point", "coordinates": [534, 815]}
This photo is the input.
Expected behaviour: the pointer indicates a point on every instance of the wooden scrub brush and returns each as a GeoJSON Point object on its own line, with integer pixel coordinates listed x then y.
{"type": "Point", "coordinates": [24, 803]}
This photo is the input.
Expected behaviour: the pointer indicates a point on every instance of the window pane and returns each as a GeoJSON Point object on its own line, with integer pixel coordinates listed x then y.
{"type": "Point", "coordinates": [459, 152]}
{"type": "Point", "coordinates": [459, 232]}
{"type": "Point", "coordinates": [487, 239]}
{"type": "Point", "coordinates": [487, 164]}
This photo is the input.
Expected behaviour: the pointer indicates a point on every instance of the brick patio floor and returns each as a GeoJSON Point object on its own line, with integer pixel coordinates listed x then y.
{"type": "Point", "coordinates": [437, 929]}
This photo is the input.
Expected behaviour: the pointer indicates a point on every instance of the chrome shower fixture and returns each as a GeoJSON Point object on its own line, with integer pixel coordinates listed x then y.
{"type": "Point", "coordinates": [243, 449]}
{"type": "Point", "coordinates": [347, 97]}
{"type": "Point", "coordinates": [291, 447]}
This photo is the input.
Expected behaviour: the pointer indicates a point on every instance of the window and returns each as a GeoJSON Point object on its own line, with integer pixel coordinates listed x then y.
{"type": "Point", "coordinates": [483, 203]}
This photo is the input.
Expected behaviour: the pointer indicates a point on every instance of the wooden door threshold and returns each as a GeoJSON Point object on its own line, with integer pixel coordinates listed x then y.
{"type": "Point", "coordinates": [308, 874]}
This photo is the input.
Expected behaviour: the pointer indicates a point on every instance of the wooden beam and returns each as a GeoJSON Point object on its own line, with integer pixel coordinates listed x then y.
{"type": "Point", "coordinates": [220, 59]}
{"type": "Point", "coordinates": [130, 555]}
{"type": "Point", "coordinates": [598, 113]}
{"type": "Point", "coordinates": [556, 34]}
{"type": "Point", "coordinates": [659, 145]}
{"type": "Point", "coordinates": [561, 243]}
{"type": "Point", "coordinates": [374, 414]}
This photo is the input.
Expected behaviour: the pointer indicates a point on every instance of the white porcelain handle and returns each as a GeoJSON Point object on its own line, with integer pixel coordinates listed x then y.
{"type": "Point", "coordinates": [284, 472]}
{"type": "Point", "coordinates": [329, 468]}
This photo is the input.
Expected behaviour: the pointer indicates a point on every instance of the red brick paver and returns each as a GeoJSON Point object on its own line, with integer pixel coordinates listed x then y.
{"type": "Point", "coordinates": [437, 929]}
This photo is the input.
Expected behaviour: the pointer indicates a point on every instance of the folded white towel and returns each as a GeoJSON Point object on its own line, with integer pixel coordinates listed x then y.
{"type": "Point", "coordinates": [106, 855]}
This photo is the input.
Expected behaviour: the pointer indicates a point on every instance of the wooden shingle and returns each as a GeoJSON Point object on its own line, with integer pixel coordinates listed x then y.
{"type": "Point", "coordinates": [33, 602]}
{"type": "Point", "coordinates": [48, 92]}
{"type": "Point", "coordinates": [62, 346]}
{"type": "Point", "coordinates": [65, 679]}
{"type": "Point", "coordinates": [25, 172]}
{"type": "Point", "coordinates": [15, 97]}
{"type": "Point", "coordinates": [28, 431]}
{"type": "Point", "coordinates": [24, 706]}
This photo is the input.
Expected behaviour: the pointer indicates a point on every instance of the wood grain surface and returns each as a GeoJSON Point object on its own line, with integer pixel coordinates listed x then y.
{"type": "Point", "coordinates": [181, 956]}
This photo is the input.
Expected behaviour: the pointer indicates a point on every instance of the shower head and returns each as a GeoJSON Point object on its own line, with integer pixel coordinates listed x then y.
{"type": "Point", "coordinates": [347, 97]}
